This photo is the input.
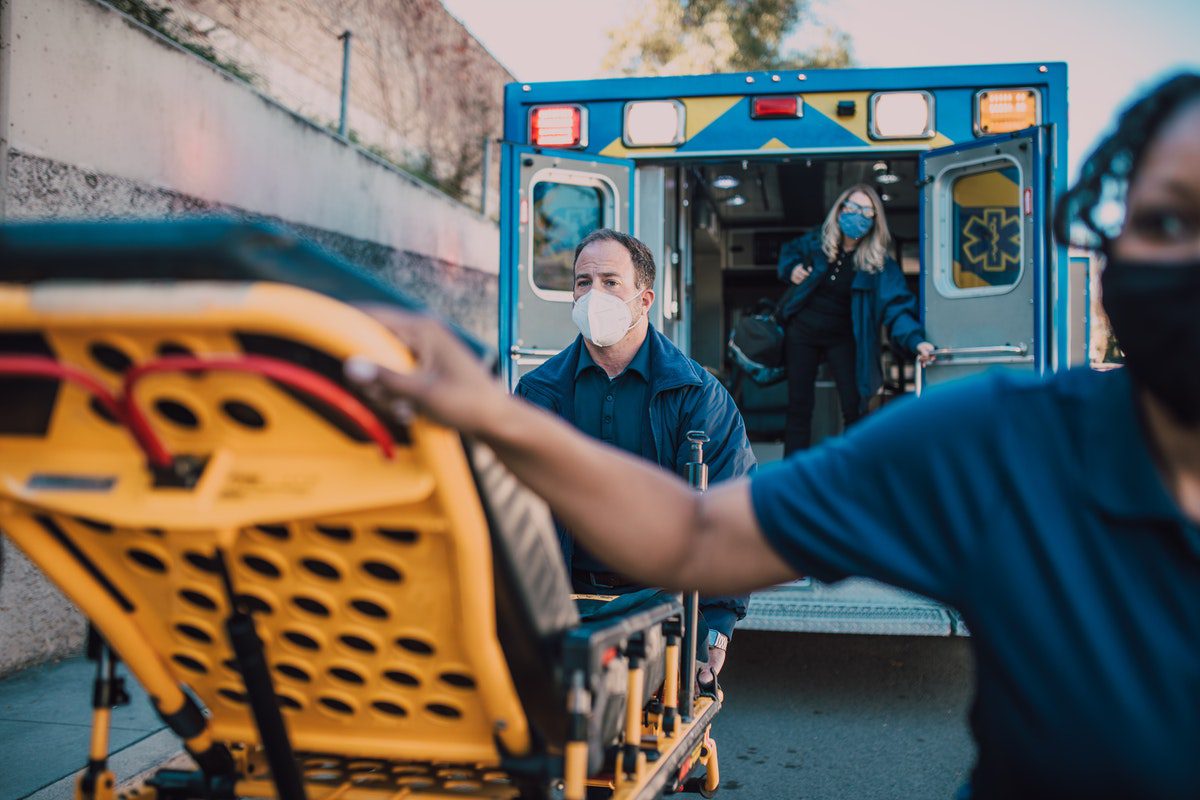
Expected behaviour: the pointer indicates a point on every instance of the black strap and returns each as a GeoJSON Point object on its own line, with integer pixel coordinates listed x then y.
{"type": "Point", "coordinates": [794, 287]}
{"type": "Point", "coordinates": [216, 763]}
{"type": "Point", "coordinates": [260, 691]}
{"type": "Point", "coordinates": [783, 301]}
{"type": "Point", "coordinates": [188, 722]}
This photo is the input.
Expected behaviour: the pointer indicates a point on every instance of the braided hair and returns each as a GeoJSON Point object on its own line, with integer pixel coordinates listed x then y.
{"type": "Point", "coordinates": [1107, 173]}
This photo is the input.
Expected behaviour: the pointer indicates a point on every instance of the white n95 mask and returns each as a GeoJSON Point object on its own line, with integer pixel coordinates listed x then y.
{"type": "Point", "coordinates": [603, 318]}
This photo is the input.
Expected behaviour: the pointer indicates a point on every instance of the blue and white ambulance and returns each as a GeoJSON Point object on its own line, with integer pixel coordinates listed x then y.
{"type": "Point", "coordinates": [716, 172]}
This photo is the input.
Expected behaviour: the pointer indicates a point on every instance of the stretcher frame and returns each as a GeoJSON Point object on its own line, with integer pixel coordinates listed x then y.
{"type": "Point", "coordinates": [113, 465]}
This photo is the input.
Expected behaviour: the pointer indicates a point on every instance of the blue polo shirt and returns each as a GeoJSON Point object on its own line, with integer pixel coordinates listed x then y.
{"type": "Point", "coordinates": [615, 411]}
{"type": "Point", "coordinates": [1037, 510]}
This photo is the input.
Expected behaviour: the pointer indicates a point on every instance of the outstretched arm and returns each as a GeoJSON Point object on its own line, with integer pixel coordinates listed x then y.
{"type": "Point", "coordinates": [899, 314]}
{"type": "Point", "coordinates": [646, 523]}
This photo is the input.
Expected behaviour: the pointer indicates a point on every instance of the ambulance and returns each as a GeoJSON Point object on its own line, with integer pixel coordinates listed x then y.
{"type": "Point", "coordinates": [715, 173]}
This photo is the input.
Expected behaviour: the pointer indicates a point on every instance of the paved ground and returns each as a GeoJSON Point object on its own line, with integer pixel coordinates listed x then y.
{"type": "Point", "coordinates": [45, 723]}
{"type": "Point", "coordinates": [809, 717]}
{"type": "Point", "coordinates": [818, 717]}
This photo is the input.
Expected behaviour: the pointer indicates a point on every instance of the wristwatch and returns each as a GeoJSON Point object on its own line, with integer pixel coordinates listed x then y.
{"type": "Point", "coordinates": [718, 639]}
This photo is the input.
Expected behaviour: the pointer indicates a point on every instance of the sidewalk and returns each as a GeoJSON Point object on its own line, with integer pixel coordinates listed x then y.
{"type": "Point", "coordinates": [45, 726]}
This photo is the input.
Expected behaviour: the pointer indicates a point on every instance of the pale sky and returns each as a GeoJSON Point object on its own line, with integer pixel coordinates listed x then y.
{"type": "Point", "coordinates": [1113, 48]}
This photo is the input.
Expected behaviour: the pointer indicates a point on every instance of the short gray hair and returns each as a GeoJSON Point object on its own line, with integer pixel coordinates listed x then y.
{"type": "Point", "coordinates": [643, 259]}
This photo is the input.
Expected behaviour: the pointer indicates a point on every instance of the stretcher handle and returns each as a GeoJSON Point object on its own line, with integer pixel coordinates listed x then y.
{"type": "Point", "coordinates": [45, 367]}
{"type": "Point", "coordinates": [285, 372]}
{"type": "Point", "coordinates": [697, 475]}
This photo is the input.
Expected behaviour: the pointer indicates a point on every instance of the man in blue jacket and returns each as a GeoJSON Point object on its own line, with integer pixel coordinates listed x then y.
{"type": "Point", "coordinates": [626, 384]}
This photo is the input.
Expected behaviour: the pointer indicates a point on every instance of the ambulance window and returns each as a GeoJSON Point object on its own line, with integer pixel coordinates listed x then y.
{"type": "Point", "coordinates": [986, 220]}
{"type": "Point", "coordinates": [563, 214]}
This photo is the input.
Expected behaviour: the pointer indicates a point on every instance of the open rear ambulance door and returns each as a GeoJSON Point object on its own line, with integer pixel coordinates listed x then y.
{"type": "Point", "coordinates": [555, 198]}
{"type": "Point", "coordinates": [984, 271]}
{"type": "Point", "coordinates": [983, 300]}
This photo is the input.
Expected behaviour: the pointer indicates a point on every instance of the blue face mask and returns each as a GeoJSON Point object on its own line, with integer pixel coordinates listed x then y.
{"type": "Point", "coordinates": [854, 224]}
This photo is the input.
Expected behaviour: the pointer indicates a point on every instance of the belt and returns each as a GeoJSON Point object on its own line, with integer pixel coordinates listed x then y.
{"type": "Point", "coordinates": [605, 580]}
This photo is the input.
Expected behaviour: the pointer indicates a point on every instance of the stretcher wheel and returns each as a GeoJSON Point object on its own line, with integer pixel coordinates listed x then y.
{"type": "Point", "coordinates": [696, 785]}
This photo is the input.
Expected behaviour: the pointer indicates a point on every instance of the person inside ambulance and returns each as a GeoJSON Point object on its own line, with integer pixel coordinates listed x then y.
{"type": "Point", "coordinates": [629, 386]}
{"type": "Point", "coordinates": [845, 286]}
{"type": "Point", "coordinates": [1059, 515]}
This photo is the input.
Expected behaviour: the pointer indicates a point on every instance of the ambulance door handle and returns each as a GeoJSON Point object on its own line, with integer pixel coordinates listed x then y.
{"type": "Point", "coordinates": [1021, 349]}
{"type": "Point", "coordinates": [998, 354]}
{"type": "Point", "coordinates": [527, 358]}
{"type": "Point", "coordinates": [516, 352]}
{"type": "Point", "coordinates": [668, 300]}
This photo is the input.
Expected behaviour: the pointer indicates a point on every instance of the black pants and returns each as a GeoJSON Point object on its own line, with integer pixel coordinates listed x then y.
{"type": "Point", "coordinates": [803, 353]}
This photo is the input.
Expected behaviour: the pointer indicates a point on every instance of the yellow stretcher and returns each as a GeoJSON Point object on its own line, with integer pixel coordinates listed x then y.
{"type": "Point", "coordinates": [320, 602]}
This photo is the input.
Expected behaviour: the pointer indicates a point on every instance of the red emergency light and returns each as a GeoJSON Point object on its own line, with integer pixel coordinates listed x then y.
{"type": "Point", "coordinates": [557, 126]}
{"type": "Point", "coordinates": [788, 106]}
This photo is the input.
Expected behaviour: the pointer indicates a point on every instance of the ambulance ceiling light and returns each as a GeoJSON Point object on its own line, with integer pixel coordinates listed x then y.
{"type": "Point", "coordinates": [901, 115]}
{"type": "Point", "coordinates": [558, 126]}
{"type": "Point", "coordinates": [884, 174]}
{"type": "Point", "coordinates": [735, 200]}
{"type": "Point", "coordinates": [725, 182]}
{"type": "Point", "coordinates": [654, 123]}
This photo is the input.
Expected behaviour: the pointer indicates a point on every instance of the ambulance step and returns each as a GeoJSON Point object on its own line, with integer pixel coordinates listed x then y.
{"type": "Point", "coordinates": [855, 605]}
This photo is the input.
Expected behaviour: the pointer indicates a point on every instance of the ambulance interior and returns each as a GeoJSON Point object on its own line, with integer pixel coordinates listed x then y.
{"type": "Point", "coordinates": [737, 216]}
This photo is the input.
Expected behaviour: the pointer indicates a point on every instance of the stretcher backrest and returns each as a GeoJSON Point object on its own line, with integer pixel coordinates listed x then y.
{"type": "Point", "coordinates": [372, 579]}
{"type": "Point", "coordinates": [207, 249]}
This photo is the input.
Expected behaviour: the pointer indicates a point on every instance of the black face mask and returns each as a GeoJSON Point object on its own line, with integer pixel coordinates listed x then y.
{"type": "Point", "coordinates": [1154, 308]}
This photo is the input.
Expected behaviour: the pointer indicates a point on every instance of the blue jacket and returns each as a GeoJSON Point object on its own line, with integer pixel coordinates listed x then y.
{"type": "Point", "coordinates": [878, 298]}
{"type": "Point", "coordinates": [683, 397]}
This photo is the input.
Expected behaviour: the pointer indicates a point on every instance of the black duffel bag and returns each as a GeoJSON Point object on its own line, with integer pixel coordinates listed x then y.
{"type": "Point", "coordinates": [756, 344]}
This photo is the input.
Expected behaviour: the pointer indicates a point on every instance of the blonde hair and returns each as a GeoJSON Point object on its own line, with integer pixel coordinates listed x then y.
{"type": "Point", "coordinates": [872, 251]}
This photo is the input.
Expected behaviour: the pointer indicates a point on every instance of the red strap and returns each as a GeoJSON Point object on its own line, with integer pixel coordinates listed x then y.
{"type": "Point", "coordinates": [126, 411]}
{"type": "Point", "coordinates": [299, 378]}
{"type": "Point", "coordinates": [45, 367]}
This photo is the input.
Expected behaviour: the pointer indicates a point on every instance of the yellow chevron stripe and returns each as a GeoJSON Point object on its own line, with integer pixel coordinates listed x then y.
{"type": "Point", "coordinates": [826, 103]}
{"type": "Point", "coordinates": [704, 111]}
{"type": "Point", "coordinates": [617, 149]}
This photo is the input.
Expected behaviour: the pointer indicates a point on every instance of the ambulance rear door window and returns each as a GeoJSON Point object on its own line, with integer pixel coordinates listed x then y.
{"type": "Point", "coordinates": [563, 214]}
{"type": "Point", "coordinates": [986, 220]}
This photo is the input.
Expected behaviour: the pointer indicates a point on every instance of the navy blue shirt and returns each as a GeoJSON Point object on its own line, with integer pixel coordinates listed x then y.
{"type": "Point", "coordinates": [616, 412]}
{"type": "Point", "coordinates": [1037, 510]}
{"type": "Point", "coordinates": [826, 317]}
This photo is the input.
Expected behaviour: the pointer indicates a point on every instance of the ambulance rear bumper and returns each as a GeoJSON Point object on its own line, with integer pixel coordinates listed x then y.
{"type": "Point", "coordinates": [855, 605]}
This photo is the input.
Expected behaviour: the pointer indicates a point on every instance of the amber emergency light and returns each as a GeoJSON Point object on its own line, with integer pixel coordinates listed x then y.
{"type": "Point", "coordinates": [1006, 110]}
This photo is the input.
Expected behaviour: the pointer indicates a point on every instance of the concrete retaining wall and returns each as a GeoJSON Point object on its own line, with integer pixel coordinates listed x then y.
{"type": "Point", "coordinates": [102, 118]}
{"type": "Point", "coordinates": [40, 188]}
{"type": "Point", "coordinates": [420, 84]}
